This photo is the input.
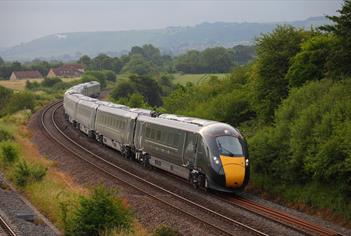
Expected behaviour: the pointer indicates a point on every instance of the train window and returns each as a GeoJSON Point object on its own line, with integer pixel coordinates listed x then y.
{"type": "Point", "coordinates": [153, 134]}
{"type": "Point", "coordinates": [229, 146]}
{"type": "Point", "coordinates": [175, 140]}
{"type": "Point", "coordinates": [147, 132]}
{"type": "Point", "coordinates": [158, 135]}
{"type": "Point", "coordinates": [170, 139]}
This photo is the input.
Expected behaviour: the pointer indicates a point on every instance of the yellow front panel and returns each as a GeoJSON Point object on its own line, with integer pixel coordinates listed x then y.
{"type": "Point", "coordinates": [234, 170]}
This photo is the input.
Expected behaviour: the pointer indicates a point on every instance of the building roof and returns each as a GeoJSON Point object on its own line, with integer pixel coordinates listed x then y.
{"type": "Point", "coordinates": [32, 74]}
{"type": "Point", "coordinates": [69, 70]}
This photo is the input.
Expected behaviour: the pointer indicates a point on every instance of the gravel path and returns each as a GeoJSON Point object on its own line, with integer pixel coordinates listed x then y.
{"type": "Point", "coordinates": [22, 217]}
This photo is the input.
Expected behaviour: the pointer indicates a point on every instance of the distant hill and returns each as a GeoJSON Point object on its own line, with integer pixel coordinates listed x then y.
{"type": "Point", "coordinates": [171, 40]}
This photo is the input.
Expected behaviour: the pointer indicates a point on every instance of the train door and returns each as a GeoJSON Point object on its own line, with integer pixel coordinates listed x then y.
{"type": "Point", "coordinates": [201, 155]}
{"type": "Point", "coordinates": [190, 150]}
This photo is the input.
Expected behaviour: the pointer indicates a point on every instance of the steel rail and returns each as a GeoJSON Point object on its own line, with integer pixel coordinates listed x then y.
{"type": "Point", "coordinates": [6, 227]}
{"type": "Point", "coordinates": [279, 216]}
{"type": "Point", "coordinates": [139, 178]}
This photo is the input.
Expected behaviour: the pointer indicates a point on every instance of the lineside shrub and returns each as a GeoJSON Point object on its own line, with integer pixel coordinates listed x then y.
{"type": "Point", "coordinates": [9, 153]}
{"type": "Point", "coordinates": [97, 213]}
{"type": "Point", "coordinates": [165, 230]}
{"type": "Point", "coordinates": [25, 173]}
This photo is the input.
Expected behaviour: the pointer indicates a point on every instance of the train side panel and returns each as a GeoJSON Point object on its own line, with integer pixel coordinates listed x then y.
{"type": "Point", "coordinates": [114, 127]}
{"type": "Point", "coordinates": [86, 113]}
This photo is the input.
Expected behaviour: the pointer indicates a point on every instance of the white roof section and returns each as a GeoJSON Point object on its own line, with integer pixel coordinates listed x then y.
{"type": "Point", "coordinates": [189, 120]}
{"type": "Point", "coordinates": [142, 111]}
{"type": "Point", "coordinates": [171, 123]}
{"type": "Point", "coordinates": [118, 111]}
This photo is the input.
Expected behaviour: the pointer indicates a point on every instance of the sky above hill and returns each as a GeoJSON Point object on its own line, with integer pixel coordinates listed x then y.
{"type": "Point", "coordinates": [22, 21]}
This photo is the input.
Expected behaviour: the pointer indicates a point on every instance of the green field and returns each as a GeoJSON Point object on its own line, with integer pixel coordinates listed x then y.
{"type": "Point", "coordinates": [182, 78]}
{"type": "Point", "coordinates": [194, 78]}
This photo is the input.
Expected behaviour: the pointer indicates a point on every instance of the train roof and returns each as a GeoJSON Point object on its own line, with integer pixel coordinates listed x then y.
{"type": "Point", "coordinates": [111, 104]}
{"type": "Point", "coordinates": [189, 120]}
{"type": "Point", "coordinates": [88, 102]}
{"type": "Point", "coordinates": [119, 111]}
{"type": "Point", "coordinates": [170, 123]}
{"type": "Point", "coordinates": [144, 112]}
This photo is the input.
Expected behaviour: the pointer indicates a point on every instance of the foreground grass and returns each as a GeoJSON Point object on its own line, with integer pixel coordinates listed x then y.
{"type": "Point", "coordinates": [56, 188]}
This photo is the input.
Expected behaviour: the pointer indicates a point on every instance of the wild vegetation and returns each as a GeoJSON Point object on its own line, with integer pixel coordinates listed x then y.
{"type": "Point", "coordinates": [293, 104]}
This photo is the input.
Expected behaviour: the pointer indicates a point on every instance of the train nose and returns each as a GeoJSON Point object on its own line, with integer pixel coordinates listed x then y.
{"type": "Point", "coordinates": [234, 170]}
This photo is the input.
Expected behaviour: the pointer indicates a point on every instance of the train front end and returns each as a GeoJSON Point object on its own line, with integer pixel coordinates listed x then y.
{"type": "Point", "coordinates": [229, 167]}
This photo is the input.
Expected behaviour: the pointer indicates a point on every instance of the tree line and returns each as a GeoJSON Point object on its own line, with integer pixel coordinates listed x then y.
{"type": "Point", "coordinates": [147, 60]}
{"type": "Point", "coordinates": [292, 102]}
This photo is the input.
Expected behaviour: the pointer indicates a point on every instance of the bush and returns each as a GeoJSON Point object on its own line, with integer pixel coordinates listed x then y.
{"type": "Point", "coordinates": [25, 173]}
{"type": "Point", "coordinates": [49, 82]}
{"type": "Point", "coordinates": [99, 212]}
{"type": "Point", "coordinates": [164, 230]}
{"type": "Point", "coordinates": [20, 101]}
{"type": "Point", "coordinates": [110, 75]}
{"type": "Point", "coordinates": [22, 174]}
{"type": "Point", "coordinates": [5, 134]}
{"type": "Point", "coordinates": [9, 153]}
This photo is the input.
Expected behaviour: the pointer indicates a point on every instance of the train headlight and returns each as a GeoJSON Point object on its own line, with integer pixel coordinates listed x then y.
{"type": "Point", "coordinates": [216, 160]}
{"type": "Point", "coordinates": [247, 162]}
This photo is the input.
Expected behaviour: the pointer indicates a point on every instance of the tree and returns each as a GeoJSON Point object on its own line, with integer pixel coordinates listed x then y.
{"type": "Point", "coordinates": [274, 53]}
{"type": "Point", "coordinates": [2, 61]}
{"type": "Point", "coordinates": [85, 60]}
{"type": "Point", "coordinates": [189, 62]}
{"type": "Point", "coordinates": [149, 88]}
{"type": "Point", "coordinates": [310, 63]}
{"type": "Point", "coordinates": [140, 66]}
{"type": "Point", "coordinates": [123, 90]}
{"type": "Point", "coordinates": [339, 62]}
{"type": "Point", "coordinates": [216, 60]}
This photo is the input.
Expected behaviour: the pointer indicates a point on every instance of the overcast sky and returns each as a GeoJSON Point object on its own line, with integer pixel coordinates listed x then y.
{"type": "Point", "coordinates": [21, 21]}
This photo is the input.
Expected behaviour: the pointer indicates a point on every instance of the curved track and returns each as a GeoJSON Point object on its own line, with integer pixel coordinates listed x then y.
{"type": "Point", "coordinates": [55, 106]}
{"type": "Point", "coordinates": [294, 223]}
{"type": "Point", "coordinates": [6, 227]}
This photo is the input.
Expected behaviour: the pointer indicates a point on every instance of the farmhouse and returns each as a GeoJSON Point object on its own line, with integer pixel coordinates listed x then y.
{"type": "Point", "coordinates": [33, 74]}
{"type": "Point", "coordinates": [66, 71]}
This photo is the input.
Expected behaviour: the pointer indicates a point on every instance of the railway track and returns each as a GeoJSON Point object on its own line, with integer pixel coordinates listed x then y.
{"type": "Point", "coordinates": [6, 227]}
{"type": "Point", "coordinates": [294, 223]}
{"type": "Point", "coordinates": [55, 106]}
{"type": "Point", "coordinates": [281, 217]}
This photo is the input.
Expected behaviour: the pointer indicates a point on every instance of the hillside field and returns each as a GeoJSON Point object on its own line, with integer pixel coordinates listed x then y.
{"type": "Point", "coordinates": [20, 85]}
{"type": "Point", "coordinates": [195, 78]}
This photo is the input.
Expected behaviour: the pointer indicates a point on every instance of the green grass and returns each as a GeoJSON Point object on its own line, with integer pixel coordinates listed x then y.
{"type": "Point", "coordinates": [194, 78]}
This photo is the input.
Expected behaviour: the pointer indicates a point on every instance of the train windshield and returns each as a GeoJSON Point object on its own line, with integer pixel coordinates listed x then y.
{"type": "Point", "coordinates": [229, 146]}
